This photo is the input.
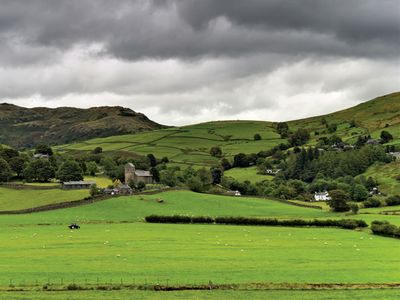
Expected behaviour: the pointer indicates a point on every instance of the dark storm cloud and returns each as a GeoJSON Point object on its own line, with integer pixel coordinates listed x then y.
{"type": "Point", "coordinates": [188, 29]}
{"type": "Point", "coordinates": [186, 61]}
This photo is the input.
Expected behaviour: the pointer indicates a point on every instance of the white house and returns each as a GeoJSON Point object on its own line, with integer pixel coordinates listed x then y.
{"type": "Point", "coordinates": [324, 196]}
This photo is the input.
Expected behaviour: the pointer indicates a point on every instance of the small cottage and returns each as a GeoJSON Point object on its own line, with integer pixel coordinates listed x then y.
{"type": "Point", "coordinates": [323, 196]}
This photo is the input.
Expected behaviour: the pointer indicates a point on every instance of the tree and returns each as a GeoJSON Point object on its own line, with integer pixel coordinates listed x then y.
{"type": "Point", "coordinates": [216, 175]}
{"type": "Point", "coordinates": [152, 160]}
{"type": "Point", "coordinates": [140, 186]}
{"type": "Point", "coordinates": [70, 171]}
{"type": "Point", "coordinates": [354, 208]}
{"type": "Point", "coordinates": [110, 167]}
{"type": "Point", "coordinates": [43, 149]}
{"type": "Point", "coordinates": [338, 201]}
{"type": "Point", "coordinates": [5, 171]}
{"type": "Point", "coordinates": [216, 151]}
{"type": "Point", "coordinates": [240, 160]}
{"type": "Point", "coordinates": [283, 129]}
{"type": "Point", "coordinates": [360, 193]}
{"type": "Point", "coordinates": [257, 137]}
{"type": "Point", "coordinates": [8, 153]}
{"type": "Point", "coordinates": [94, 191]}
{"type": "Point", "coordinates": [17, 164]}
{"type": "Point", "coordinates": [386, 136]}
{"type": "Point", "coordinates": [92, 168]}
{"type": "Point", "coordinates": [39, 170]}
{"type": "Point", "coordinates": [156, 174]}
{"type": "Point", "coordinates": [195, 184]}
{"type": "Point", "coordinates": [300, 137]}
{"type": "Point", "coordinates": [97, 150]}
{"type": "Point", "coordinates": [225, 164]}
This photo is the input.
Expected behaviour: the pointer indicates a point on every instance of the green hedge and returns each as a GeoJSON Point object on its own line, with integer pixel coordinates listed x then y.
{"type": "Point", "coordinates": [385, 229]}
{"type": "Point", "coordinates": [177, 219]}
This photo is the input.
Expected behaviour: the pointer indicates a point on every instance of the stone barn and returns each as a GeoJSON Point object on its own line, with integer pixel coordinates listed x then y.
{"type": "Point", "coordinates": [131, 174]}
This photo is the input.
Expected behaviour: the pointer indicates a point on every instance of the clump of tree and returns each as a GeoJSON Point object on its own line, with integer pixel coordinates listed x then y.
{"type": "Point", "coordinates": [70, 170]}
{"type": "Point", "coordinates": [283, 129]}
{"type": "Point", "coordinates": [299, 137]}
{"type": "Point", "coordinates": [386, 137]}
{"type": "Point", "coordinates": [216, 151]}
{"type": "Point", "coordinates": [257, 137]}
{"type": "Point", "coordinates": [339, 201]}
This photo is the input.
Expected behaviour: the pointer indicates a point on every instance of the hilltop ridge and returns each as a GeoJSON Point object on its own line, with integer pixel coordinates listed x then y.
{"type": "Point", "coordinates": [25, 127]}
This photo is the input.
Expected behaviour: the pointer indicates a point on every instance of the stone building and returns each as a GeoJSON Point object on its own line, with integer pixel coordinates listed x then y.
{"type": "Point", "coordinates": [131, 174]}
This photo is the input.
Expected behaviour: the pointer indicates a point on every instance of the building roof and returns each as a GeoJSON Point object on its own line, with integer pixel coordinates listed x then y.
{"type": "Point", "coordinates": [321, 194]}
{"type": "Point", "coordinates": [143, 173]}
{"type": "Point", "coordinates": [124, 186]}
{"type": "Point", "coordinates": [79, 183]}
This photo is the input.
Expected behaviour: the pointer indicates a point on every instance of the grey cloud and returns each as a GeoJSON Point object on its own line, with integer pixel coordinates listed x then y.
{"type": "Point", "coordinates": [191, 29]}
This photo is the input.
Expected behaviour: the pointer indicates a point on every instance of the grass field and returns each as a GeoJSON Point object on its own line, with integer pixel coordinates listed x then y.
{"type": "Point", "coordinates": [135, 208]}
{"type": "Point", "coordinates": [185, 254]}
{"type": "Point", "coordinates": [13, 199]}
{"type": "Point", "coordinates": [250, 174]}
{"type": "Point", "coordinates": [115, 245]}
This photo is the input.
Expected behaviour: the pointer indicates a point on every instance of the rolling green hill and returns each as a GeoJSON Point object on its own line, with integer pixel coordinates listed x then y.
{"type": "Point", "coordinates": [26, 127]}
{"type": "Point", "coordinates": [191, 144]}
{"type": "Point", "coordinates": [371, 117]}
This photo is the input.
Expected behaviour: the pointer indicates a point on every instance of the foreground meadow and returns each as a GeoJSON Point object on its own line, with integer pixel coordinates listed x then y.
{"type": "Point", "coordinates": [194, 254]}
{"type": "Point", "coordinates": [115, 246]}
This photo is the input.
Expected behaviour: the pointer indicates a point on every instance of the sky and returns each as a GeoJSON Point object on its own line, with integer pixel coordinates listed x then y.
{"type": "Point", "coordinates": [189, 61]}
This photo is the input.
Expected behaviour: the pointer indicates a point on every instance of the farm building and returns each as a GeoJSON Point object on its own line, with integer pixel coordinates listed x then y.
{"type": "Point", "coordinates": [324, 196]}
{"type": "Point", "coordinates": [233, 193]}
{"type": "Point", "coordinates": [76, 185]}
{"type": "Point", "coordinates": [131, 174]}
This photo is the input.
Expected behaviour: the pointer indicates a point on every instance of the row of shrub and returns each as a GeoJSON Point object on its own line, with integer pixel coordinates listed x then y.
{"type": "Point", "coordinates": [179, 219]}
{"type": "Point", "coordinates": [385, 228]}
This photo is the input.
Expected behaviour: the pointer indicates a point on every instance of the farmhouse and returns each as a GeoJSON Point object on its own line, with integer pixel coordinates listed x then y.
{"type": "Point", "coordinates": [133, 175]}
{"type": "Point", "coordinates": [324, 196]}
{"type": "Point", "coordinates": [233, 193]}
{"type": "Point", "coordinates": [76, 185]}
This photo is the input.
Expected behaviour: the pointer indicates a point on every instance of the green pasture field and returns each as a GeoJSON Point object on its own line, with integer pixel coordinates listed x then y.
{"type": "Point", "coordinates": [384, 294]}
{"type": "Point", "coordinates": [114, 245]}
{"type": "Point", "coordinates": [135, 208]}
{"type": "Point", "coordinates": [250, 174]}
{"type": "Point", "coordinates": [13, 199]}
{"type": "Point", "coordinates": [101, 181]}
{"type": "Point", "coordinates": [194, 254]}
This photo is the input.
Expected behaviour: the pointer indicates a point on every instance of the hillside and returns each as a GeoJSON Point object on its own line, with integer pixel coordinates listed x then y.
{"type": "Point", "coordinates": [191, 144]}
{"type": "Point", "coordinates": [25, 127]}
{"type": "Point", "coordinates": [371, 117]}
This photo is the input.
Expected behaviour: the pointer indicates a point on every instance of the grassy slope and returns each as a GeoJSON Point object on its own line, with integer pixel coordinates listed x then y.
{"type": "Point", "coordinates": [11, 199]}
{"type": "Point", "coordinates": [190, 144]}
{"type": "Point", "coordinates": [135, 208]}
{"type": "Point", "coordinates": [371, 118]}
{"type": "Point", "coordinates": [385, 175]}
{"type": "Point", "coordinates": [250, 174]}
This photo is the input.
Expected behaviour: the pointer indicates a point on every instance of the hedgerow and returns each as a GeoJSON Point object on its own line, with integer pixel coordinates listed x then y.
{"type": "Point", "coordinates": [341, 223]}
